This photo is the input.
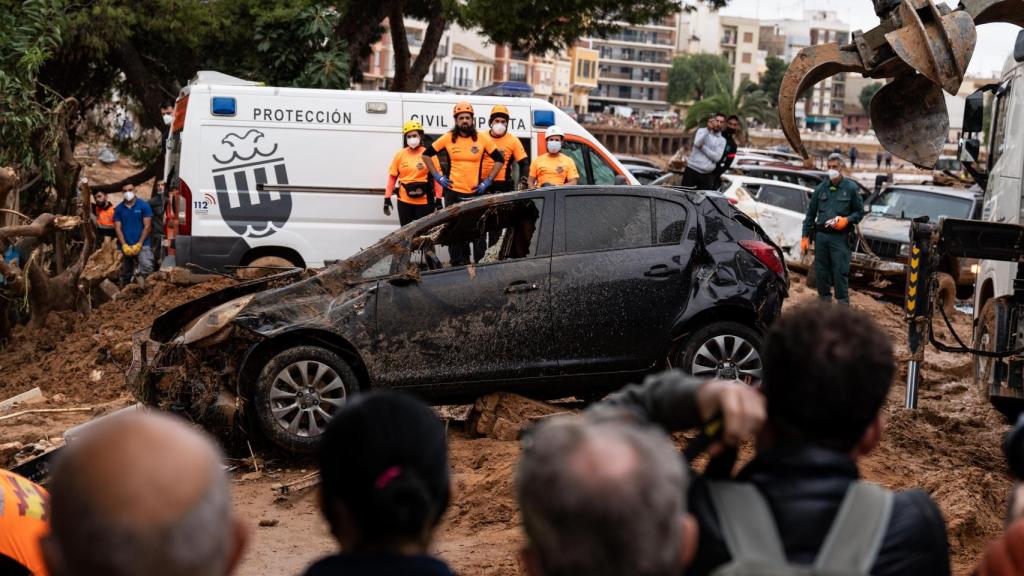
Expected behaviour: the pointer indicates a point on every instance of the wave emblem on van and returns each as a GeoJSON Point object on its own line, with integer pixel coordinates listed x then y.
{"type": "Point", "coordinates": [244, 162]}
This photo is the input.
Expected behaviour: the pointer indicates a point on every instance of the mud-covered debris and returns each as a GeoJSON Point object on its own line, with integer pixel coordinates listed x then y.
{"type": "Point", "coordinates": [32, 396]}
{"type": "Point", "coordinates": [269, 522]}
{"type": "Point", "coordinates": [504, 415]}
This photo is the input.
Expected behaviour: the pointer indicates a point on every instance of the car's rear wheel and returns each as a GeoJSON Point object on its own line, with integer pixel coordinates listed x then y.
{"type": "Point", "coordinates": [298, 393]}
{"type": "Point", "coordinates": [727, 350]}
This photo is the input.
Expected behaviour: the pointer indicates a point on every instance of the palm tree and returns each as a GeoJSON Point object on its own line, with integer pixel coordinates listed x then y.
{"type": "Point", "coordinates": [747, 102]}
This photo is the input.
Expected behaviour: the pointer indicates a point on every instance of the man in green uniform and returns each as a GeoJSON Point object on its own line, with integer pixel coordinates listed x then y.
{"type": "Point", "coordinates": [836, 207]}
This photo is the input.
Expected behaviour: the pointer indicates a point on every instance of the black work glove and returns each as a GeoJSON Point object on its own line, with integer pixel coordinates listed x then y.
{"type": "Point", "coordinates": [388, 206]}
{"type": "Point", "coordinates": [524, 183]}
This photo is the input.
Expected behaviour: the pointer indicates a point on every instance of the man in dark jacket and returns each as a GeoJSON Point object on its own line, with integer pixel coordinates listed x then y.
{"type": "Point", "coordinates": [731, 132]}
{"type": "Point", "coordinates": [834, 211]}
{"type": "Point", "coordinates": [827, 372]}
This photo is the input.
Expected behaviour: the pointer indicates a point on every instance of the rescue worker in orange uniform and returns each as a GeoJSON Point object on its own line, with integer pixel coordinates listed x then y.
{"type": "Point", "coordinates": [511, 148]}
{"type": "Point", "coordinates": [466, 149]}
{"type": "Point", "coordinates": [410, 177]}
{"type": "Point", "coordinates": [102, 215]}
{"type": "Point", "coordinates": [553, 168]}
{"type": "Point", "coordinates": [24, 519]}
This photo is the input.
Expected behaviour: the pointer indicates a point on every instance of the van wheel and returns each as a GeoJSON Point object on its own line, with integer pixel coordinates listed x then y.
{"type": "Point", "coordinates": [946, 292]}
{"type": "Point", "coordinates": [297, 394]}
{"type": "Point", "coordinates": [264, 266]}
{"type": "Point", "coordinates": [727, 350]}
{"type": "Point", "coordinates": [985, 339]}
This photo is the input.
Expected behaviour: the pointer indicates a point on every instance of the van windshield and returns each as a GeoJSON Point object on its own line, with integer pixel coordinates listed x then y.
{"type": "Point", "coordinates": [910, 204]}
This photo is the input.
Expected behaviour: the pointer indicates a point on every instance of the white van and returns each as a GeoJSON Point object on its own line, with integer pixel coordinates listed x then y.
{"type": "Point", "coordinates": [299, 174]}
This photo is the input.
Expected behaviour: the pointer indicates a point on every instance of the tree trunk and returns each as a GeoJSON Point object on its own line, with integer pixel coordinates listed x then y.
{"type": "Point", "coordinates": [359, 27]}
{"type": "Point", "coordinates": [136, 179]}
{"type": "Point", "coordinates": [409, 76]}
{"type": "Point", "coordinates": [144, 85]}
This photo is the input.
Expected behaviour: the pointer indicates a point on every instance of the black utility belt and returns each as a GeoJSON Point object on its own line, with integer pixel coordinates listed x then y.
{"type": "Point", "coordinates": [416, 189]}
{"type": "Point", "coordinates": [822, 228]}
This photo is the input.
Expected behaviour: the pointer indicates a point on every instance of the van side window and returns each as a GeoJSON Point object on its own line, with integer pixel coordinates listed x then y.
{"type": "Point", "coordinates": [576, 151]}
{"type": "Point", "coordinates": [603, 172]}
{"type": "Point", "coordinates": [1002, 118]}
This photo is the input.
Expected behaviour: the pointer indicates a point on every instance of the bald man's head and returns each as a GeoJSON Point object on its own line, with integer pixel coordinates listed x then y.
{"type": "Point", "coordinates": [602, 499]}
{"type": "Point", "coordinates": [142, 494]}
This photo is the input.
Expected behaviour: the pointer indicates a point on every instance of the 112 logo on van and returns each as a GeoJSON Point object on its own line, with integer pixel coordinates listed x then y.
{"type": "Point", "coordinates": [244, 162]}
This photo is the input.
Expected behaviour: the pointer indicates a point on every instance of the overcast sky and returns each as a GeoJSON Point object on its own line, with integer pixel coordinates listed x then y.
{"type": "Point", "coordinates": [995, 41]}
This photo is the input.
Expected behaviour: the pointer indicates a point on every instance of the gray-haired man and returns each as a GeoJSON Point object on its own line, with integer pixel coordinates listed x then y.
{"type": "Point", "coordinates": [603, 499]}
{"type": "Point", "coordinates": [142, 494]}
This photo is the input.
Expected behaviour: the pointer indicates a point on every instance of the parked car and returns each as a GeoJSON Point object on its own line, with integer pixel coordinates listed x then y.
{"type": "Point", "coordinates": [787, 157]}
{"type": "Point", "coordinates": [634, 161]}
{"type": "Point", "coordinates": [644, 174]}
{"type": "Point", "coordinates": [808, 178]}
{"type": "Point", "coordinates": [587, 288]}
{"type": "Point", "coordinates": [881, 258]}
{"type": "Point", "coordinates": [778, 207]}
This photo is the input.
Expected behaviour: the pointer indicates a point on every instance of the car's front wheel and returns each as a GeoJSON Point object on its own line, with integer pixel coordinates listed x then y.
{"type": "Point", "coordinates": [727, 350]}
{"type": "Point", "coordinates": [298, 392]}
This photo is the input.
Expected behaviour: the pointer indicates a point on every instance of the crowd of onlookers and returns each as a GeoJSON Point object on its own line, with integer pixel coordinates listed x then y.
{"type": "Point", "coordinates": [605, 492]}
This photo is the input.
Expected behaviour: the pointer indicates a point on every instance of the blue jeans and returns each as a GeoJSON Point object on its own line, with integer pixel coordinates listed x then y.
{"type": "Point", "coordinates": [139, 265]}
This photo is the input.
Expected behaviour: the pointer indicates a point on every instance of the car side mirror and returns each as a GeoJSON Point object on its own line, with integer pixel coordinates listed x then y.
{"type": "Point", "coordinates": [974, 113]}
{"type": "Point", "coordinates": [970, 150]}
{"type": "Point", "coordinates": [1018, 50]}
{"type": "Point", "coordinates": [620, 180]}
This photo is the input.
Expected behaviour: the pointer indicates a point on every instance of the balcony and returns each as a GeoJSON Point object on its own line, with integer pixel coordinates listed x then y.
{"type": "Point", "coordinates": [632, 77]}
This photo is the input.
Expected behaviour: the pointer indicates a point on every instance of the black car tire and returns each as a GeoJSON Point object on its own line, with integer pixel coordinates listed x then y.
{"type": "Point", "coordinates": [313, 409]}
{"type": "Point", "coordinates": [984, 339]}
{"type": "Point", "coordinates": [724, 332]}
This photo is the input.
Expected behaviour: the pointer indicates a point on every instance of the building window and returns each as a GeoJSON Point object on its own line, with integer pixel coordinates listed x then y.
{"type": "Point", "coordinates": [746, 57]}
{"type": "Point", "coordinates": [744, 77]}
{"type": "Point", "coordinates": [729, 36]}
{"type": "Point", "coordinates": [748, 37]}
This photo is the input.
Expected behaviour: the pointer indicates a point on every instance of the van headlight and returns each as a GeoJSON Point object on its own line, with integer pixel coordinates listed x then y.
{"type": "Point", "coordinates": [213, 321]}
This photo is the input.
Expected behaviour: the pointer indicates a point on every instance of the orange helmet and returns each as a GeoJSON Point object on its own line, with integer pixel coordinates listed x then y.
{"type": "Point", "coordinates": [462, 107]}
{"type": "Point", "coordinates": [499, 111]}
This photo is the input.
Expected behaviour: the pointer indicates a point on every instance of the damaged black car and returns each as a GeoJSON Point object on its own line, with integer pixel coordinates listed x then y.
{"type": "Point", "coordinates": [579, 291]}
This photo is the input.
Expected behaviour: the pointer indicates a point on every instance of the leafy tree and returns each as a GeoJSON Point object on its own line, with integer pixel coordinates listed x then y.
{"type": "Point", "coordinates": [771, 80]}
{"type": "Point", "coordinates": [745, 103]}
{"type": "Point", "coordinates": [694, 77]}
{"type": "Point", "coordinates": [296, 47]}
{"type": "Point", "coordinates": [867, 93]}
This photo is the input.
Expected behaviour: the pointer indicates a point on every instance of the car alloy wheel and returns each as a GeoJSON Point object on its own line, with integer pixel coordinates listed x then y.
{"type": "Point", "coordinates": [729, 357]}
{"type": "Point", "coordinates": [305, 395]}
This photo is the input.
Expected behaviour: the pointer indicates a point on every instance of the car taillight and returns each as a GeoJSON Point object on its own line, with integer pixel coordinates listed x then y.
{"type": "Point", "coordinates": [766, 254]}
{"type": "Point", "coordinates": [184, 210]}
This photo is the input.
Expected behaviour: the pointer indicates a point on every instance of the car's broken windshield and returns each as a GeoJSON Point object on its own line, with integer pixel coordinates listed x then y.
{"type": "Point", "coordinates": [491, 234]}
{"type": "Point", "coordinates": [910, 204]}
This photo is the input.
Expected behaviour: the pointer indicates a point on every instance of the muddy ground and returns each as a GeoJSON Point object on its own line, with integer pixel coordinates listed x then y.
{"type": "Point", "coordinates": [949, 447]}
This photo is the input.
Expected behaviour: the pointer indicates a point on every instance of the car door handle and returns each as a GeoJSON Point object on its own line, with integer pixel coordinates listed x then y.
{"type": "Point", "coordinates": [520, 286]}
{"type": "Point", "coordinates": [661, 271]}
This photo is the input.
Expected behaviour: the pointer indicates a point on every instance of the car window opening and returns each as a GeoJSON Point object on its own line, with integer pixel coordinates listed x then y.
{"type": "Point", "coordinates": [511, 227]}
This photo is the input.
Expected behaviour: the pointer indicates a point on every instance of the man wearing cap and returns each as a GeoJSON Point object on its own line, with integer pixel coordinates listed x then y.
{"type": "Point", "coordinates": [553, 168]}
{"type": "Point", "coordinates": [835, 209]}
{"type": "Point", "coordinates": [465, 149]}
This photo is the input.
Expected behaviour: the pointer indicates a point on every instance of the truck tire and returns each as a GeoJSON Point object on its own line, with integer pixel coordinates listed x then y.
{"type": "Point", "coordinates": [263, 266]}
{"type": "Point", "coordinates": [298, 392]}
{"type": "Point", "coordinates": [946, 293]}
{"type": "Point", "coordinates": [721, 347]}
{"type": "Point", "coordinates": [984, 339]}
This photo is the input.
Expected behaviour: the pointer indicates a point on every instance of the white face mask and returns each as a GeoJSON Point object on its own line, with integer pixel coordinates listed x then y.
{"type": "Point", "coordinates": [554, 146]}
{"type": "Point", "coordinates": [129, 196]}
{"type": "Point", "coordinates": [413, 141]}
{"type": "Point", "coordinates": [168, 118]}
{"type": "Point", "coordinates": [499, 128]}
{"type": "Point", "coordinates": [833, 174]}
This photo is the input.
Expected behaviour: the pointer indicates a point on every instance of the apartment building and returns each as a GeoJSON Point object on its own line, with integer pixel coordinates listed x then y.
{"type": "Point", "coordinates": [633, 66]}
{"type": "Point", "coordinates": [740, 44]}
{"type": "Point", "coordinates": [583, 73]}
{"type": "Point", "coordinates": [823, 110]}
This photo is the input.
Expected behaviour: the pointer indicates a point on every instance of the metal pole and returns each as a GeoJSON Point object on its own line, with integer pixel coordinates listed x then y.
{"type": "Point", "coordinates": [913, 369]}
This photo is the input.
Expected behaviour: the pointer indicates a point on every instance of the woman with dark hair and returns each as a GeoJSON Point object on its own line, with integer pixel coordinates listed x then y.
{"type": "Point", "coordinates": [385, 486]}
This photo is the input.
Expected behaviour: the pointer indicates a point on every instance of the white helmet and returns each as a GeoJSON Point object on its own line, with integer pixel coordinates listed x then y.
{"type": "Point", "coordinates": [554, 131]}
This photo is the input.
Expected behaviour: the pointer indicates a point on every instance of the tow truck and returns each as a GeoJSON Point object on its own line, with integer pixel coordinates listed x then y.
{"type": "Point", "coordinates": [926, 48]}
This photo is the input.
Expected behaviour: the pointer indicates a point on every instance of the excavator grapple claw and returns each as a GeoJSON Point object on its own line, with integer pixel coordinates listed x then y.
{"type": "Point", "coordinates": [925, 47]}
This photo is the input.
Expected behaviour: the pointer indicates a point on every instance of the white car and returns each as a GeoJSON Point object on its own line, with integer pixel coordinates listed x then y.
{"type": "Point", "coordinates": [779, 207]}
{"type": "Point", "coordinates": [787, 157]}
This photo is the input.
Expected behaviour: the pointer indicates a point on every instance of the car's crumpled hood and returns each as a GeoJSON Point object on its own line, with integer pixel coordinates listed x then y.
{"type": "Point", "coordinates": [880, 228]}
{"type": "Point", "coordinates": [313, 302]}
